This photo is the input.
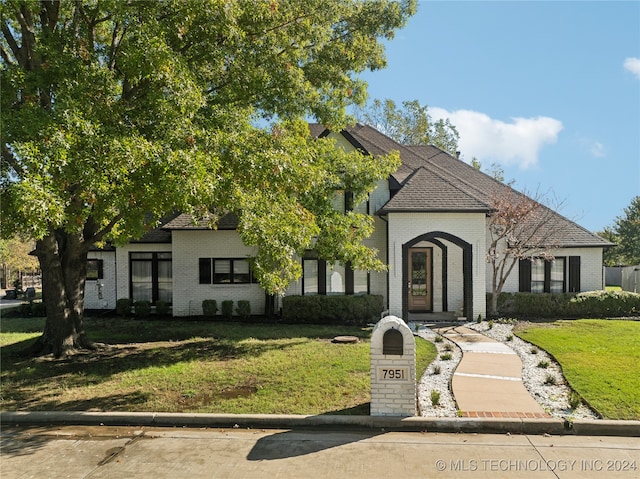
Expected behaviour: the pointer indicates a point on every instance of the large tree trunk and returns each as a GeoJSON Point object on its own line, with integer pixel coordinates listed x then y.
{"type": "Point", "coordinates": [63, 261]}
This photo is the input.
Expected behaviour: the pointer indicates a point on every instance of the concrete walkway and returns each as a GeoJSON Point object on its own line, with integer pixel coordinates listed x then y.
{"type": "Point", "coordinates": [488, 380]}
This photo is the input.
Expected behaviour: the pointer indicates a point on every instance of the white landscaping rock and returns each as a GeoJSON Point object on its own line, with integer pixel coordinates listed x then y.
{"type": "Point", "coordinates": [438, 382]}
{"type": "Point", "coordinates": [553, 399]}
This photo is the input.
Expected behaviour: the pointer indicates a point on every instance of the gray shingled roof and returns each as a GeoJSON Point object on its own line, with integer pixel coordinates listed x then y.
{"type": "Point", "coordinates": [427, 190]}
{"type": "Point", "coordinates": [186, 222]}
{"type": "Point", "coordinates": [432, 180]}
{"type": "Point", "coordinates": [157, 235]}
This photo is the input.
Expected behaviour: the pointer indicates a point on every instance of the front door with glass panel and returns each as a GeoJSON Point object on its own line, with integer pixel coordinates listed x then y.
{"type": "Point", "coordinates": [419, 287]}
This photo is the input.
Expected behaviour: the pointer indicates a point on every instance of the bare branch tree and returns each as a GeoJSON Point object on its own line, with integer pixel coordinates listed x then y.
{"type": "Point", "coordinates": [520, 227]}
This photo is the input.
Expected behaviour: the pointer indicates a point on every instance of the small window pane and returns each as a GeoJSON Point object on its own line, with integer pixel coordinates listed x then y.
{"type": "Point", "coordinates": [141, 271]}
{"type": "Point", "coordinates": [241, 272]}
{"type": "Point", "coordinates": [537, 276]}
{"type": "Point", "coordinates": [164, 271]}
{"type": "Point", "coordinates": [164, 256]}
{"type": "Point", "coordinates": [338, 202]}
{"type": "Point", "coordinates": [557, 275]}
{"type": "Point", "coordinates": [361, 208]}
{"type": "Point", "coordinates": [310, 272]}
{"type": "Point", "coordinates": [222, 271]}
{"type": "Point", "coordinates": [142, 292]}
{"type": "Point", "coordinates": [335, 279]}
{"type": "Point", "coordinates": [141, 255]}
{"type": "Point", "coordinates": [165, 292]}
{"type": "Point", "coordinates": [360, 282]}
{"type": "Point", "coordinates": [93, 269]}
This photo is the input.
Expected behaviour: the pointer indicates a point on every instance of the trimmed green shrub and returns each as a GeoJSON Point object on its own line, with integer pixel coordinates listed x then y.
{"type": "Point", "coordinates": [244, 309]}
{"type": "Point", "coordinates": [123, 306]}
{"type": "Point", "coordinates": [227, 308]}
{"type": "Point", "coordinates": [25, 309]}
{"type": "Point", "coordinates": [142, 309]}
{"type": "Point", "coordinates": [209, 308]}
{"type": "Point", "coordinates": [162, 308]}
{"type": "Point", "coordinates": [38, 309]}
{"type": "Point", "coordinates": [607, 303]}
{"type": "Point", "coordinates": [338, 309]}
{"type": "Point", "coordinates": [591, 304]}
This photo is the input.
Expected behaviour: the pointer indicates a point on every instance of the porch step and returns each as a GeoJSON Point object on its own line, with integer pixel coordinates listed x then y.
{"type": "Point", "coordinates": [442, 317]}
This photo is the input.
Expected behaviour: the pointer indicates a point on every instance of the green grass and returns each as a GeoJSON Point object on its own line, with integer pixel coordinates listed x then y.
{"type": "Point", "coordinates": [600, 359]}
{"type": "Point", "coordinates": [189, 366]}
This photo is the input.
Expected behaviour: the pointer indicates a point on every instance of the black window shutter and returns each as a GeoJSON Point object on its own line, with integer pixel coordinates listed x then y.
{"type": "Point", "coordinates": [204, 266]}
{"type": "Point", "coordinates": [348, 280]}
{"type": "Point", "coordinates": [348, 201]}
{"type": "Point", "coordinates": [322, 276]}
{"type": "Point", "coordinates": [524, 267]}
{"type": "Point", "coordinates": [547, 276]}
{"type": "Point", "coordinates": [574, 274]}
{"type": "Point", "coordinates": [100, 269]}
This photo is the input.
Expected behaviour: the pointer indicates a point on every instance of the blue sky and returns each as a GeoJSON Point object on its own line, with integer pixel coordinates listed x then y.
{"type": "Point", "coordinates": [548, 90]}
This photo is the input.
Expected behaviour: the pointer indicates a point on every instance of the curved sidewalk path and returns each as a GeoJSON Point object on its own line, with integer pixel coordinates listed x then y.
{"type": "Point", "coordinates": [488, 379]}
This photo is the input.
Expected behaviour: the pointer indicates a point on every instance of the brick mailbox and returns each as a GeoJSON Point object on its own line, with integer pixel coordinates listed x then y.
{"type": "Point", "coordinates": [393, 369]}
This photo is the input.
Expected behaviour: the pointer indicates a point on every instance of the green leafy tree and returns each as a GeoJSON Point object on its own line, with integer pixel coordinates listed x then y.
{"type": "Point", "coordinates": [495, 171]}
{"type": "Point", "coordinates": [114, 113]}
{"type": "Point", "coordinates": [625, 233]}
{"type": "Point", "coordinates": [15, 257]}
{"type": "Point", "coordinates": [611, 256]}
{"type": "Point", "coordinates": [410, 124]}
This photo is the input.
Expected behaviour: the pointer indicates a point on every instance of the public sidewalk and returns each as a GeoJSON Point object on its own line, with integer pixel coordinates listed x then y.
{"type": "Point", "coordinates": [82, 452]}
{"type": "Point", "coordinates": [488, 380]}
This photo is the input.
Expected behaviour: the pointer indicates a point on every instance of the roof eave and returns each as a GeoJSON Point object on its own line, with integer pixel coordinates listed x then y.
{"type": "Point", "coordinates": [385, 211]}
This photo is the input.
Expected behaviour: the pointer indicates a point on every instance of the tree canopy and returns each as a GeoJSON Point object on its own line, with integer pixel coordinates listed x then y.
{"type": "Point", "coordinates": [625, 232]}
{"type": "Point", "coordinates": [410, 124]}
{"type": "Point", "coordinates": [115, 113]}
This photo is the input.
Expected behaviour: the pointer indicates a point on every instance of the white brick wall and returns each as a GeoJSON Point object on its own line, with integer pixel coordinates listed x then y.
{"type": "Point", "coordinates": [470, 227]}
{"type": "Point", "coordinates": [188, 294]}
{"type": "Point", "coordinates": [591, 271]}
{"type": "Point", "coordinates": [101, 293]}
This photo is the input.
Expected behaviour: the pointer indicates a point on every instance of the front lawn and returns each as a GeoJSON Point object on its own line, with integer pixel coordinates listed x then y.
{"type": "Point", "coordinates": [195, 366]}
{"type": "Point", "coordinates": [600, 359]}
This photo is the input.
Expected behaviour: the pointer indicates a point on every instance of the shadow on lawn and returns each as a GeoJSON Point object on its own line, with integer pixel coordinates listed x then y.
{"type": "Point", "coordinates": [114, 330]}
{"type": "Point", "coordinates": [93, 367]}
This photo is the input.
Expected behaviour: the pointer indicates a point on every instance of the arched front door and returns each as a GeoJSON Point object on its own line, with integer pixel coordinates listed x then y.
{"type": "Point", "coordinates": [420, 288]}
{"type": "Point", "coordinates": [409, 298]}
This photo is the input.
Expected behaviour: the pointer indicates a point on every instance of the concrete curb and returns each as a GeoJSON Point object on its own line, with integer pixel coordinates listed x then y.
{"type": "Point", "coordinates": [276, 421]}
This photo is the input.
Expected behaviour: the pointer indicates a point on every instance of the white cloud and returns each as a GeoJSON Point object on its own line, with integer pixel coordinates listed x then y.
{"type": "Point", "coordinates": [595, 148]}
{"type": "Point", "coordinates": [598, 150]}
{"type": "Point", "coordinates": [633, 65]}
{"type": "Point", "coordinates": [489, 140]}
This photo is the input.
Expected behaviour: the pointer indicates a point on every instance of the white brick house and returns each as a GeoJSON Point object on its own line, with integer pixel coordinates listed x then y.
{"type": "Point", "coordinates": [431, 228]}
